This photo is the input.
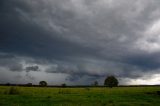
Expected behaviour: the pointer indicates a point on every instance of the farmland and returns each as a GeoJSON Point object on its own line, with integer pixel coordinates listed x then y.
{"type": "Point", "coordinates": [87, 96]}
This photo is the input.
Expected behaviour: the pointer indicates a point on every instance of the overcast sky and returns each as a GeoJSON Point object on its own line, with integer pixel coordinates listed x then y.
{"type": "Point", "coordinates": [79, 41]}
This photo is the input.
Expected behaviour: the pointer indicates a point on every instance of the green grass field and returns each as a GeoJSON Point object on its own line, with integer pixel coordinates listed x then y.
{"type": "Point", "coordinates": [119, 96]}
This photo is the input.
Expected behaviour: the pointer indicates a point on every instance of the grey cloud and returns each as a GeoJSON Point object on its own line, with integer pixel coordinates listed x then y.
{"type": "Point", "coordinates": [144, 61]}
{"type": "Point", "coordinates": [11, 62]}
{"type": "Point", "coordinates": [16, 67]}
{"type": "Point", "coordinates": [32, 68]}
{"type": "Point", "coordinates": [29, 76]}
{"type": "Point", "coordinates": [36, 40]}
{"type": "Point", "coordinates": [75, 71]}
{"type": "Point", "coordinates": [83, 38]}
{"type": "Point", "coordinates": [93, 70]}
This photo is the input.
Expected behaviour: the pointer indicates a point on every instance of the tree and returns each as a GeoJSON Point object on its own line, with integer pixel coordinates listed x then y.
{"type": "Point", "coordinates": [29, 84]}
{"type": "Point", "coordinates": [43, 83]}
{"type": "Point", "coordinates": [111, 81]}
{"type": "Point", "coordinates": [8, 84]}
{"type": "Point", "coordinates": [64, 85]}
{"type": "Point", "coordinates": [95, 83]}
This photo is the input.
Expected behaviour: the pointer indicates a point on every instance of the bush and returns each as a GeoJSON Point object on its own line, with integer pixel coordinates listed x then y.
{"type": "Point", "coordinates": [87, 89]}
{"type": "Point", "coordinates": [12, 91]}
{"type": "Point", "coordinates": [158, 92]}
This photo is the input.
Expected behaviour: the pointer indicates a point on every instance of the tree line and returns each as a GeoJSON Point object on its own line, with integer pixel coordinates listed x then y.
{"type": "Point", "coordinates": [110, 81]}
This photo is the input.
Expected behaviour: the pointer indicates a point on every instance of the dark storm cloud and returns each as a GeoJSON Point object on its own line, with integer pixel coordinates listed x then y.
{"type": "Point", "coordinates": [75, 72]}
{"type": "Point", "coordinates": [87, 39]}
{"type": "Point", "coordinates": [28, 38]}
{"type": "Point", "coordinates": [32, 68]}
{"type": "Point", "coordinates": [147, 62]}
{"type": "Point", "coordinates": [11, 62]}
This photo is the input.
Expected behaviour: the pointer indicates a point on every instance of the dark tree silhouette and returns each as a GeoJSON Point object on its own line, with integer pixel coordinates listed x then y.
{"type": "Point", "coordinates": [8, 84]}
{"type": "Point", "coordinates": [111, 81]}
{"type": "Point", "coordinates": [96, 83]}
{"type": "Point", "coordinates": [64, 85]}
{"type": "Point", "coordinates": [43, 83]}
{"type": "Point", "coordinates": [29, 84]}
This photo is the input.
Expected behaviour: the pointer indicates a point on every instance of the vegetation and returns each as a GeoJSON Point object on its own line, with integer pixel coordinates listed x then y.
{"type": "Point", "coordinates": [111, 81]}
{"type": "Point", "coordinates": [64, 85]}
{"type": "Point", "coordinates": [12, 91]}
{"type": "Point", "coordinates": [96, 83]}
{"type": "Point", "coordinates": [29, 84]}
{"type": "Point", "coordinates": [43, 83]}
{"type": "Point", "coordinates": [90, 96]}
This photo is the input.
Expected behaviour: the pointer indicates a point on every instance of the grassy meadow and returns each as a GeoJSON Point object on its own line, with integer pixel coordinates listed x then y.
{"type": "Point", "coordinates": [94, 96]}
